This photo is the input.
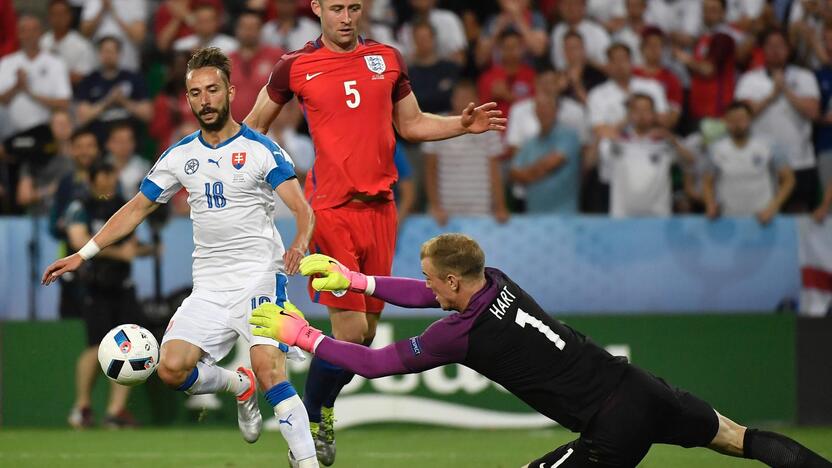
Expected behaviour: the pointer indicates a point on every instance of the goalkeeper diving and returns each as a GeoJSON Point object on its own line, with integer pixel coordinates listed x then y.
{"type": "Point", "coordinates": [498, 330]}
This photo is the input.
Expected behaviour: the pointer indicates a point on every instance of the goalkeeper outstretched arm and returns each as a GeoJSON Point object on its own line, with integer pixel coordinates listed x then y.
{"type": "Point", "coordinates": [438, 345]}
{"type": "Point", "coordinates": [329, 275]}
{"type": "Point", "coordinates": [121, 224]}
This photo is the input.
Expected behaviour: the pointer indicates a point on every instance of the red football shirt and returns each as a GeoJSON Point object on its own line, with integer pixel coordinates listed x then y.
{"type": "Point", "coordinates": [672, 85]}
{"type": "Point", "coordinates": [348, 102]}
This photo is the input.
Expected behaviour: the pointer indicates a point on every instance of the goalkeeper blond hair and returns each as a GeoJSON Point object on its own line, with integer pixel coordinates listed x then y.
{"type": "Point", "coordinates": [455, 253]}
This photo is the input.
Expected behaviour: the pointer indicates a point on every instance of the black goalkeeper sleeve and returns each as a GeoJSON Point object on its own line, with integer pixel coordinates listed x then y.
{"type": "Point", "coordinates": [779, 451]}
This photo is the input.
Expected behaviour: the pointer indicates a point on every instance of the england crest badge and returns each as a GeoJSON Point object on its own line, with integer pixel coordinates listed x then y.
{"type": "Point", "coordinates": [375, 63]}
{"type": "Point", "coordinates": [238, 160]}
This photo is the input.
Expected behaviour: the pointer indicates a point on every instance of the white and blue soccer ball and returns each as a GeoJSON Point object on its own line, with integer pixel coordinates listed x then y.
{"type": "Point", "coordinates": [128, 354]}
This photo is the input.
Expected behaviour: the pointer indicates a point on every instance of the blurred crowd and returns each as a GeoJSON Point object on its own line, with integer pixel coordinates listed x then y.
{"type": "Point", "coordinates": [622, 107]}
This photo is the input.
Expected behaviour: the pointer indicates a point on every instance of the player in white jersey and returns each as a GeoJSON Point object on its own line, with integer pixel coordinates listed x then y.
{"type": "Point", "coordinates": [229, 171]}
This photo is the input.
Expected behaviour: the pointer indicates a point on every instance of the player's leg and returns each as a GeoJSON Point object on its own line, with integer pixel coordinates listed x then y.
{"type": "Point", "coordinates": [771, 448]}
{"type": "Point", "coordinates": [269, 364]}
{"type": "Point", "coordinates": [122, 300]}
{"type": "Point", "coordinates": [117, 415]}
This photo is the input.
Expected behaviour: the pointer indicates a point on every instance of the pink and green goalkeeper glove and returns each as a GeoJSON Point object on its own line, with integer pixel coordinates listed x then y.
{"type": "Point", "coordinates": [285, 324]}
{"type": "Point", "coordinates": [329, 275]}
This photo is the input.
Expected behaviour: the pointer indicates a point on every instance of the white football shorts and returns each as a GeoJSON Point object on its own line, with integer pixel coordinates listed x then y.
{"type": "Point", "coordinates": [212, 320]}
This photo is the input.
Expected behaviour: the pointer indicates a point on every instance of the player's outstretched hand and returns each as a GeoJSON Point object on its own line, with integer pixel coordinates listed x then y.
{"type": "Point", "coordinates": [285, 324]}
{"type": "Point", "coordinates": [483, 118]}
{"type": "Point", "coordinates": [59, 267]}
{"type": "Point", "coordinates": [330, 275]}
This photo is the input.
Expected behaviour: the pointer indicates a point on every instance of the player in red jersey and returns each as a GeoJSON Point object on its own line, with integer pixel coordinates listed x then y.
{"type": "Point", "coordinates": [354, 92]}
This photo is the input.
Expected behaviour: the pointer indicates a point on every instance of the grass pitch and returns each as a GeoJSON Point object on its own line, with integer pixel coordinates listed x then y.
{"type": "Point", "coordinates": [380, 446]}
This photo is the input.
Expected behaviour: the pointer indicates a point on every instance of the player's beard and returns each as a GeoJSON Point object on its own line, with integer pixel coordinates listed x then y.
{"type": "Point", "coordinates": [219, 123]}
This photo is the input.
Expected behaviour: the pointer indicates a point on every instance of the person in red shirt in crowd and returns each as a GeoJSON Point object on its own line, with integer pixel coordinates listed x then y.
{"type": "Point", "coordinates": [252, 62]}
{"type": "Point", "coordinates": [174, 20]}
{"type": "Point", "coordinates": [355, 92]}
{"type": "Point", "coordinates": [652, 48]}
{"type": "Point", "coordinates": [712, 65]}
{"type": "Point", "coordinates": [511, 79]}
{"type": "Point", "coordinates": [8, 27]}
{"type": "Point", "coordinates": [172, 116]}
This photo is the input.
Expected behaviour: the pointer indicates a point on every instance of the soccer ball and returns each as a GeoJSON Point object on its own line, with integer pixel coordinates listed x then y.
{"type": "Point", "coordinates": [128, 354]}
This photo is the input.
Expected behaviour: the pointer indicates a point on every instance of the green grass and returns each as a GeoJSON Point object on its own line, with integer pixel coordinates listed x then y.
{"type": "Point", "coordinates": [381, 446]}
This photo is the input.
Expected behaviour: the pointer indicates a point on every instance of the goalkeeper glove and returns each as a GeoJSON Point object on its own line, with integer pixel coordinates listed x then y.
{"type": "Point", "coordinates": [285, 324]}
{"type": "Point", "coordinates": [329, 275]}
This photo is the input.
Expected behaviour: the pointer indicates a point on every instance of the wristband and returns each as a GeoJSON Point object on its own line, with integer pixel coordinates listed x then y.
{"type": "Point", "coordinates": [89, 250]}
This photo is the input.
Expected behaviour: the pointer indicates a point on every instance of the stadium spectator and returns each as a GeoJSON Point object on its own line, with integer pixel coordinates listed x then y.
{"type": "Point", "coordinates": [33, 82]}
{"type": "Point", "coordinates": [632, 30]}
{"type": "Point", "coordinates": [111, 296]}
{"type": "Point", "coordinates": [110, 93]}
{"type": "Point", "coordinates": [595, 37]}
{"type": "Point", "coordinates": [523, 123]}
{"type": "Point", "coordinates": [518, 16]}
{"type": "Point", "coordinates": [607, 102]}
{"type": "Point", "coordinates": [474, 61]}
{"type": "Point", "coordinates": [8, 28]}
{"type": "Point", "coordinates": [207, 24]}
{"type": "Point", "coordinates": [652, 51]}
{"type": "Point", "coordinates": [73, 186]}
{"type": "Point", "coordinates": [638, 163]}
{"type": "Point", "coordinates": [122, 19]}
{"type": "Point", "coordinates": [289, 30]}
{"type": "Point", "coordinates": [175, 19]}
{"type": "Point", "coordinates": [549, 166]}
{"type": "Point", "coordinates": [784, 98]}
{"type": "Point", "coordinates": [121, 153]}
{"type": "Point", "coordinates": [611, 14]}
{"type": "Point", "coordinates": [252, 62]}
{"type": "Point", "coordinates": [172, 116]}
{"type": "Point", "coordinates": [825, 206]}
{"type": "Point", "coordinates": [432, 77]}
{"type": "Point", "coordinates": [76, 51]}
{"type": "Point", "coordinates": [806, 24]}
{"type": "Point", "coordinates": [823, 126]}
{"type": "Point", "coordinates": [712, 64]}
{"type": "Point", "coordinates": [450, 34]}
{"type": "Point", "coordinates": [39, 179]}
{"type": "Point", "coordinates": [462, 174]}
{"type": "Point", "coordinates": [582, 77]}
{"type": "Point", "coordinates": [375, 26]}
{"type": "Point", "coordinates": [509, 80]}
{"type": "Point", "coordinates": [739, 182]}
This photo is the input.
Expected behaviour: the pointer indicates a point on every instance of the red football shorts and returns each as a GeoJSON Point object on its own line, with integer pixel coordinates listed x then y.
{"type": "Point", "coordinates": [362, 236]}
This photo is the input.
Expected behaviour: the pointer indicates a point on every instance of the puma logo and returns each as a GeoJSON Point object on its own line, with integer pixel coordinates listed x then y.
{"type": "Point", "coordinates": [217, 162]}
{"type": "Point", "coordinates": [285, 421]}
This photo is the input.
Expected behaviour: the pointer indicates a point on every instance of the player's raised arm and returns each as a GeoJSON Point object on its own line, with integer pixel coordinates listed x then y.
{"type": "Point", "coordinates": [415, 125]}
{"type": "Point", "coordinates": [263, 113]}
{"type": "Point", "coordinates": [118, 226]}
{"type": "Point", "coordinates": [330, 275]}
{"type": "Point", "coordinates": [416, 354]}
{"type": "Point", "coordinates": [292, 195]}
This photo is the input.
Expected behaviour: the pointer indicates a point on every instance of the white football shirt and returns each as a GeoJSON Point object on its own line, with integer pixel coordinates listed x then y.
{"type": "Point", "coordinates": [745, 181]}
{"type": "Point", "coordinates": [232, 206]}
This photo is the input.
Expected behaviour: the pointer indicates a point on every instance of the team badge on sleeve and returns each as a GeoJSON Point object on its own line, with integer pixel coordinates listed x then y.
{"type": "Point", "coordinates": [375, 63]}
{"type": "Point", "coordinates": [238, 160]}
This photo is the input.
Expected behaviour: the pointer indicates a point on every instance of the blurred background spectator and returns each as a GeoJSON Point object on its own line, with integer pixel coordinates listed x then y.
{"type": "Point", "coordinates": [431, 77]}
{"type": "Point", "coordinates": [123, 19]}
{"type": "Point", "coordinates": [573, 17]}
{"type": "Point", "coordinates": [450, 34]}
{"type": "Point", "coordinates": [251, 63]}
{"type": "Point", "coordinates": [61, 40]}
{"type": "Point", "coordinates": [206, 32]}
{"type": "Point", "coordinates": [121, 154]}
{"type": "Point", "coordinates": [289, 30]}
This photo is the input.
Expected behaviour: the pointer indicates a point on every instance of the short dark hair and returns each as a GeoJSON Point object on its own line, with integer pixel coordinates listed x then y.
{"type": "Point", "coordinates": [112, 39]}
{"type": "Point", "coordinates": [508, 33]}
{"type": "Point", "coordinates": [638, 96]}
{"type": "Point", "coordinates": [252, 12]}
{"type": "Point", "coordinates": [210, 57]}
{"type": "Point", "coordinates": [423, 23]}
{"type": "Point", "coordinates": [768, 33]}
{"type": "Point", "coordinates": [573, 33]}
{"type": "Point", "coordinates": [651, 31]}
{"type": "Point", "coordinates": [619, 46]}
{"type": "Point", "coordinates": [121, 125]}
{"type": "Point", "coordinates": [81, 131]}
{"type": "Point", "coordinates": [737, 105]}
{"type": "Point", "coordinates": [100, 166]}
{"type": "Point", "coordinates": [60, 2]}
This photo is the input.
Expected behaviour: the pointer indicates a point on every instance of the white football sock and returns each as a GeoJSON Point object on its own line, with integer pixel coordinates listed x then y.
{"type": "Point", "coordinates": [215, 379]}
{"type": "Point", "coordinates": [294, 425]}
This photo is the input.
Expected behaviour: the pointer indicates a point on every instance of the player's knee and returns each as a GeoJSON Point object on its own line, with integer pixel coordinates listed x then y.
{"type": "Point", "coordinates": [268, 365]}
{"type": "Point", "coordinates": [173, 371]}
{"type": "Point", "coordinates": [356, 335]}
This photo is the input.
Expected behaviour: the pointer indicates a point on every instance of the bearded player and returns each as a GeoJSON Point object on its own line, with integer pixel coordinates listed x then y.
{"type": "Point", "coordinates": [230, 173]}
{"type": "Point", "coordinates": [354, 92]}
{"type": "Point", "coordinates": [498, 330]}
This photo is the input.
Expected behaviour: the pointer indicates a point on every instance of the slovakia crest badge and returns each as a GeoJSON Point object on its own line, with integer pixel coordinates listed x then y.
{"type": "Point", "coordinates": [238, 160]}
